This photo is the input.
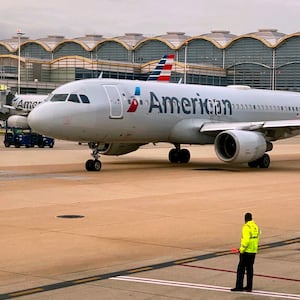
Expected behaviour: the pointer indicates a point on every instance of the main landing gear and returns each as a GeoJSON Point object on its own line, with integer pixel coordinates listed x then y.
{"type": "Point", "coordinates": [177, 155]}
{"type": "Point", "coordinates": [263, 162]}
{"type": "Point", "coordinates": [94, 164]}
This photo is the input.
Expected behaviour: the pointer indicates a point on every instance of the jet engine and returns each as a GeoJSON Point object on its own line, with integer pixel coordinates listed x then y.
{"type": "Point", "coordinates": [18, 122]}
{"type": "Point", "coordinates": [118, 148]}
{"type": "Point", "coordinates": [239, 146]}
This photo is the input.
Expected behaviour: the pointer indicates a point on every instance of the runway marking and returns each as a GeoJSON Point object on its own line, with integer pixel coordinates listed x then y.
{"type": "Point", "coordinates": [205, 287]}
{"type": "Point", "coordinates": [85, 280]}
{"type": "Point", "coordinates": [10, 175]}
{"type": "Point", "coordinates": [230, 271]}
{"type": "Point", "coordinates": [70, 283]}
{"type": "Point", "coordinates": [140, 270]}
{"type": "Point", "coordinates": [180, 262]}
{"type": "Point", "coordinates": [27, 292]}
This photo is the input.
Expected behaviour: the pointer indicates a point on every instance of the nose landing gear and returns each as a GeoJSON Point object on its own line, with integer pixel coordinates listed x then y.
{"type": "Point", "coordinates": [94, 164]}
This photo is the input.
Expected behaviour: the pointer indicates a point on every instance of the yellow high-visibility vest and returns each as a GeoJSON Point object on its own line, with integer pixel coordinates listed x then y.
{"type": "Point", "coordinates": [250, 238]}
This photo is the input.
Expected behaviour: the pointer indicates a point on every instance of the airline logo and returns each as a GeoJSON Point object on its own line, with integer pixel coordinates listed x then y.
{"type": "Point", "coordinates": [133, 105]}
{"type": "Point", "coordinates": [134, 102]}
{"type": "Point", "coordinates": [185, 105]}
{"type": "Point", "coordinates": [19, 103]}
{"type": "Point", "coordinates": [162, 71]}
{"type": "Point", "coordinates": [189, 105]}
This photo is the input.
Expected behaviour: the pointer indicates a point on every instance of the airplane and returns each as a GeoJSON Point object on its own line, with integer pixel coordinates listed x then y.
{"type": "Point", "coordinates": [116, 117]}
{"type": "Point", "coordinates": [16, 111]}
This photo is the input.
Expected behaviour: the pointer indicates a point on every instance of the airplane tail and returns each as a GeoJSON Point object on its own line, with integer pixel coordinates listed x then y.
{"type": "Point", "coordinates": [162, 71]}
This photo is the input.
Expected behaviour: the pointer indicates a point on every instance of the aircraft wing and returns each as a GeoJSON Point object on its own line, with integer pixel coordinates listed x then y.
{"type": "Point", "coordinates": [273, 130]}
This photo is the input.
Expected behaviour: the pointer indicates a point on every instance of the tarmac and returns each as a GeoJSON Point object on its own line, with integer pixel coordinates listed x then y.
{"type": "Point", "coordinates": [143, 228]}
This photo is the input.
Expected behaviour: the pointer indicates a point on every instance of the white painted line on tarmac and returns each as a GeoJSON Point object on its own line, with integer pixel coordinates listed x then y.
{"type": "Point", "coordinates": [205, 287]}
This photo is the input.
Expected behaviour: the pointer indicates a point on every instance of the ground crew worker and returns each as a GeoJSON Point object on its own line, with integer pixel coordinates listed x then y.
{"type": "Point", "coordinates": [248, 250]}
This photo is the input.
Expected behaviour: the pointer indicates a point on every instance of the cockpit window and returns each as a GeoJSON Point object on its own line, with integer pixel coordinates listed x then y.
{"type": "Point", "coordinates": [59, 97]}
{"type": "Point", "coordinates": [74, 98]}
{"type": "Point", "coordinates": [84, 99]}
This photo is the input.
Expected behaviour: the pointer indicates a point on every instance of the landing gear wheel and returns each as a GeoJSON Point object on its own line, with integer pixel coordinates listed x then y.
{"type": "Point", "coordinates": [184, 156]}
{"type": "Point", "coordinates": [174, 156]}
{"type": "Point", "coordinates": [179, 156]}
{"type": "Point", "coordinates": [89, 165]}
{"type": "Point", "coordinates": [264, 161]}
{"type": "Point", "coordinates": [93, 165]}
{"type": "Point", "coordinates": [97, 165]}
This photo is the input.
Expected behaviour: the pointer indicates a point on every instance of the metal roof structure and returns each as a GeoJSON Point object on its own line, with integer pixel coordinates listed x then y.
{"type": "Point", "coordinates": [220, 38]}
{"type": "Point", "coordinates": [266, 58]}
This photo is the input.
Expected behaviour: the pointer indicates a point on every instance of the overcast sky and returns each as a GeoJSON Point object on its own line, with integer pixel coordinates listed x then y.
{"type": "Point", "coordinates": [75, 18]}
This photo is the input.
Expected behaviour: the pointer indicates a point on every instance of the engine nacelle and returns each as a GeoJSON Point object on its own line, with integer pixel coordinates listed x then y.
{"type": "Point", "coordinates": [18, 122]}
{"type": "Point", "coordinates": [240, 146]}
{"type": "Point", "coordinates": [118, 148]}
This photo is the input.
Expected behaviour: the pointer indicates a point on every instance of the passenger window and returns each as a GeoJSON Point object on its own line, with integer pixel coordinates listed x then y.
{"type": "Point", "coordinates": [84, 99]}
{"type": "Point", "coordinates": [59, 97]}
{"type": "Point", "coordinates": [74, 98]}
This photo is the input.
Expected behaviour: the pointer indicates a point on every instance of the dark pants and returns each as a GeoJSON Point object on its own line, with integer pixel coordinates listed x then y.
{"type": "Point", "coordinates": [246, 263]}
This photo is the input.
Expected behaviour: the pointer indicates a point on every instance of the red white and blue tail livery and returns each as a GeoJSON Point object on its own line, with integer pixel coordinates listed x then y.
{"type": "Point", "coordinates": [162, 71]}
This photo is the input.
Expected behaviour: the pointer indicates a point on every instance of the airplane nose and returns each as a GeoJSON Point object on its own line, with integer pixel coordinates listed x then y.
{"type": "Point", "coordinates": [38, 120]}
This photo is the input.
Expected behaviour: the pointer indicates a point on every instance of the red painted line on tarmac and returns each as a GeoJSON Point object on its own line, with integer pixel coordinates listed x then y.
{"type": "Point", "coordinates": [230, 271]}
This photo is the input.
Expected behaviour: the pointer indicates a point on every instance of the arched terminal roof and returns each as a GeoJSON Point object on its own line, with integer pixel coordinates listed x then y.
{"type": "Point", "coordinates": [131, 39]}
{"type": "Point", "coordinates": [174, 37]}
{"type": "Point", "coordinates": [52, 41]}
{"type": "Point", "coordinates": [285, 38]}
{"type": "Point", "coordinates": [272, 36]}
{"type": "Point", "coordinates": [13, 43]}
{"type": "Point", "coordinates": [269, 37]}
{"type": "Point", "coordinates": [174, 40]}
{"type": "Point", "coordinates": [90, 40]}
{"type": "Point", "coordinates": [222, 37]}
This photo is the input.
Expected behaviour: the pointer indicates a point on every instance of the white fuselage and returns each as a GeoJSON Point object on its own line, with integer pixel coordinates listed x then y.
{"type": "Point", "coordinates": [158, 112]}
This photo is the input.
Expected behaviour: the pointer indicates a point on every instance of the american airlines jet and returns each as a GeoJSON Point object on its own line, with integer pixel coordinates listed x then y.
{"type": "Point", "coordinates": [116, 117]}
{"type": "Point", "coordinates": [19, 108]}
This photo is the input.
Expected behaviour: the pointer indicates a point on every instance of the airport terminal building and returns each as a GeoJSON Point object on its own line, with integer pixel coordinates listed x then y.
{"type": "Point", "coordinates": [265, 59]}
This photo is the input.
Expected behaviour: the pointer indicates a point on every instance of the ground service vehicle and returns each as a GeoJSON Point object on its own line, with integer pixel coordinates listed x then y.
{"type": "Point", "coordinates": [25, 137]}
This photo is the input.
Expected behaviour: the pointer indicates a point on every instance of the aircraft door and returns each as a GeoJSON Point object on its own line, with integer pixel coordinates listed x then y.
{"type": "Point", "coordinates": [115, 101]}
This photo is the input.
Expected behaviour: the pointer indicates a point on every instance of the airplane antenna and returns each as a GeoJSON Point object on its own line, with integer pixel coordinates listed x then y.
{"type": "Point", "coordinates": [180, 81]}
{"type": "Point", "coordinates": [100, 76]}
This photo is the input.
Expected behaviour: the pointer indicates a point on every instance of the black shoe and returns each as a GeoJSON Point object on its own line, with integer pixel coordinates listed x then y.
{"type": "Point", "coordinates": [236, 289]}
{"type": "Point", "coordinates": [246, 289]}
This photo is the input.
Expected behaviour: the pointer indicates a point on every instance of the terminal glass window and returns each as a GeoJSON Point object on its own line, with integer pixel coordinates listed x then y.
{"type": "Point", "coordinates": [151, 50]}
{"type": "Point", "coordinates": [201, 52]}
{"type": "Point", "coordinates": [110, 50]}
{"type": "Point", "coordinates": [34, 50]}
{"type": "Point", "coordinates": [69, 49]}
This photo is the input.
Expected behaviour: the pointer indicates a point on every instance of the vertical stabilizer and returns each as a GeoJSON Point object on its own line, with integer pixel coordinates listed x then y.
{"type": "Point", "coordinates": [162, 71]}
